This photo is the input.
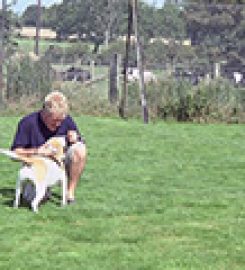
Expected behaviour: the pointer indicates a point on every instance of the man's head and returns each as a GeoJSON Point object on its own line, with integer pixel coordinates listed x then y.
{"type": "Point", "coordinates": [55, 109]}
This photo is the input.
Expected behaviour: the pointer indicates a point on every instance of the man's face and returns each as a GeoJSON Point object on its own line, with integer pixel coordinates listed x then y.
{"type": "Point", "coordinates": [53, 121]}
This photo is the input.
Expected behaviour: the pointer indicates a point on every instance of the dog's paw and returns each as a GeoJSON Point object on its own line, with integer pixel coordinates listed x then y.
{"type": "Point", "coordinates": [16, 204]}
{"type": "Point", "coordinates": [34, 207]}
{"type": "Point", "coordinates": [63, 203]}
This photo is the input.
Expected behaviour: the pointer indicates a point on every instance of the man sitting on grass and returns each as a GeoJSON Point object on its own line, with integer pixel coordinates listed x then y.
{"type": "Point", "coordinates": [53, 120]}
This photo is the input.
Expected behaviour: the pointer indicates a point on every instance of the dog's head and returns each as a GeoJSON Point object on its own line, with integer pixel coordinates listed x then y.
{"type": "Point", "coordinates": [57, 145]}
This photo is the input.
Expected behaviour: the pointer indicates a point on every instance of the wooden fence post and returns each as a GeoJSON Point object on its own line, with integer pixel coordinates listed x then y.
{"type": "Point", "coordinates": [92, 69]}
{"type": "Point", "coordinates": [113, 91]}
{"type": "Point", "coordinates": [140, 64]}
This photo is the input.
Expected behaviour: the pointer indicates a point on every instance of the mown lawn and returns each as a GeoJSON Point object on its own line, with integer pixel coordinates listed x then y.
{"type": "Point", "coordinates": [161, 196]}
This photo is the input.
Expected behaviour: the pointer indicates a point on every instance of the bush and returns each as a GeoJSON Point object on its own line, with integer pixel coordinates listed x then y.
{"type": "Point", "coordinates": [26, 77]}
{"type": "Point", "coordinates": [77, 51]}
{"type": "Point", "coordinates": [117, 47]}
{"type": "Point", "coordinates": [89, 100]}
{"type": "Point", "coordinates": [217, 101]}
{"type": "Point", "coordinates": [70, 54]}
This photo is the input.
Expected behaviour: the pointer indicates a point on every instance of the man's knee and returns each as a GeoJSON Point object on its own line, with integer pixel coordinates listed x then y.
{"type": "Point", "coordinates": [79, 154]}
{"type": "Point", "coordinates": [76, 154]}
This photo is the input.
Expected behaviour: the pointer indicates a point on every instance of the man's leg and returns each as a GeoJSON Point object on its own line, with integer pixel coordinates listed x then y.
{"type": "Point", "coordinates": [76, 156]}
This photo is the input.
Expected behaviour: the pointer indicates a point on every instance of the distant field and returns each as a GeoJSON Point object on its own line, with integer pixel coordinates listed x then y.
{"type": "Point", "coordinates": [27, 45]}
{"type": "Point", "coordinates": [157, 196]}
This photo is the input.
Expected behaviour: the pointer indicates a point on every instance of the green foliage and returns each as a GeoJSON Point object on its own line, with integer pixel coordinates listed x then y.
{"type": "Point", "coordinates": [214, 2]}
{"type": "Point", "coordinates": [77, 51]}
{"type": "Point", "coordinates": [217, 101]}
{"type": "Point", "coordinates": [86, 17]}
{"type": "Point", "coordinates": [8, 21]}
{"type": "Point", "coordinates": [170, 23]}
{"type": "Point", "coordinates": [48, 18]}
{"type": "Point", "coordinates": [116, 47]}
{"type": "Point", "coordinates": [157, 54]}
{"type": "Point", "coordinates": [93, 19]}
{"type": "Point", "coordinates": [29, 16]}
{"type": "Point", "coordinates": [26, 77]}
{"type": "Point", "coordinates": [218, 28]}
{"type": "Point", "coordinates": [70, 53]}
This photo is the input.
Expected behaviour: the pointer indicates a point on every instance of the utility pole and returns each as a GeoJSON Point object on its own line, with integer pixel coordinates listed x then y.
{"type": "Point", "coordinates": [38, 25]}
{"type": "Point", "coordinates": [2, 45]}
{"type": "Point", "coordinates": [112, 13]}
{"type": "Point", "coordinates": [108, 28]}
{"type": "Point", "coordinates": [124, 96]}
{"type": "Point", "coordinates": [140, 66]}
{"type": "Point", "coordinates": [113, 90]}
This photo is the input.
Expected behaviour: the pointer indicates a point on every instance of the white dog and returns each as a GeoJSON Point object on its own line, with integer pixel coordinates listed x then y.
{"type": "Point", "coordinates": [43, 172]}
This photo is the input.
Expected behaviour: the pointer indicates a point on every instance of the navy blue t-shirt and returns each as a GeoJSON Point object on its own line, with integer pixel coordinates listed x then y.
{"type": "Point", "coordinates": [32, 132]}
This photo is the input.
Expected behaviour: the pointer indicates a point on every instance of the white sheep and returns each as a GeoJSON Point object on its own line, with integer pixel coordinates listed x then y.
{"type": "Point", "coordinates": [134, 75]}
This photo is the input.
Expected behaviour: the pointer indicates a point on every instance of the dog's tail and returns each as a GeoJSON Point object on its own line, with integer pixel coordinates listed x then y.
{"type": "Point", "coordinates": [15, 156]}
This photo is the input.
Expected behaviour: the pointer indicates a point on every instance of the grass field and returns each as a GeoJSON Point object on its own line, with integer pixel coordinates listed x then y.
{"type": "Point", "coordinates": [161, 196]}
{"type": "Point", "coordinates": [27, 45]}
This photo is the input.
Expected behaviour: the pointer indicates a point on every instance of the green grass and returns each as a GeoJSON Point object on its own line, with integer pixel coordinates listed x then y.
{"type": "Point", "coordinates": [157, 196]}
{"type": "Point", "coordinates": [28, 44]}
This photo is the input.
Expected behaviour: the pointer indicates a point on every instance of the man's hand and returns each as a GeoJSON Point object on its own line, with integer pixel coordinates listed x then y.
{"type": "Point", "coordinates": [46, 150]}
{"type": "Point", "coordinates": [72, 136]}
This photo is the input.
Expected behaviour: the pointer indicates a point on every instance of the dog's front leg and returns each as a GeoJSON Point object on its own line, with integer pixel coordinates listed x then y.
{"type": "Point", "coordinates": [40, 192]}
{"type": "Point", "coordinates": [17, 192]}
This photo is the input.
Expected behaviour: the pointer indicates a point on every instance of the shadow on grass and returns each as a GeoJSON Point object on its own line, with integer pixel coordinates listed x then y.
{"type": "Point", "coordinates": [8, 195]}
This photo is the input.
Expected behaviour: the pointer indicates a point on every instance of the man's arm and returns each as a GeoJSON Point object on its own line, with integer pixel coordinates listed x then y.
{"type": "Point", "coordinates": [26, 151]}
{"type": "Point", "coordinates": [43, 150]}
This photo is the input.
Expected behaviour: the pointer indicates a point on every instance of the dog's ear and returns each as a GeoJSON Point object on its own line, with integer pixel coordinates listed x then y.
{"type": "Point", "coordinates": [58, 144]}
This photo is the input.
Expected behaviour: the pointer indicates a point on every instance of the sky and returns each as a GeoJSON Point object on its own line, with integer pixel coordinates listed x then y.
{"type": "Point", "coordinates": [22, 4]}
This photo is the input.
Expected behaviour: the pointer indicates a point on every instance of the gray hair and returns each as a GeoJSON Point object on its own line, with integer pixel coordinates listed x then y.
{"type": "Point", "coordinates": [56, 102]}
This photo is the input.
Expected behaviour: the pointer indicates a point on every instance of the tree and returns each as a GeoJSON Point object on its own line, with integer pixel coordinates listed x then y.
{"type": "Point", "coordinates": [29, 16]}
{"type": "Point", "coordinates": [218, 27]}
{"type": "Point", "coordinates": [5, 42]}
{"type": "Point", "coordinates": [92, 20]}
{"type": "Point", "coordinates": [170, 22]}
{"type": "Point", "coordinates": [87, 18]}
